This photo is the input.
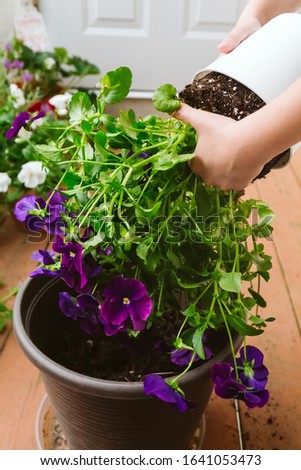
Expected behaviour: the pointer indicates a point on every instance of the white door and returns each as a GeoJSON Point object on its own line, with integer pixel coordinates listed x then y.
{"type": "Point", "coordinates": [162, 41]}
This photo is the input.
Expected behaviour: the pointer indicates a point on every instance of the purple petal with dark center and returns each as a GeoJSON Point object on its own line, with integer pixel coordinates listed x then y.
{"type": "Point", "coordinates": [17, 124]}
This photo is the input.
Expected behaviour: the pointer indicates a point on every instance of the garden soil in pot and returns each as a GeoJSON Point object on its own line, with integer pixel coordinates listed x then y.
{"type": "Point", "coordinates": [220, 94]}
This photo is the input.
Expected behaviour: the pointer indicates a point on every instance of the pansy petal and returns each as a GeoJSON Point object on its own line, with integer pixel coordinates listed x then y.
{"type": "Point", "coordinates": [115, 313]}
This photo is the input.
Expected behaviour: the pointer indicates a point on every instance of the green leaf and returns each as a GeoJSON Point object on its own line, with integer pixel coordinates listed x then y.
{"type": "Point", "coordinates": [95, 241]}
{"type": "Point", "coordinates": [142, 213]}
{"type": "Point", "coordinates": [128, 123]}
{"type": "Point", "coordinates": [175, 259]}
{"type": "Point", "coordinates": [190, 311]}
{"type": "Point", "coordinates": [230, 282]}
{"type": "Point", "coordinates": [86, 127]}
{"type": "Point", "coordinates": [80, 107]}
{"type": "Point", "coordinates": [263, 262]}
{"type": "Point", "coordinates": [115, 85]}
{"type": "Point", "coordinates": [49, 151]}
{"type": "Point", "coordinates": [166, 161]}
{"type": "Point", "coordinates": [239, 325]}
{"type": "Point", "coordinates": [257, 320]}
{"type": "Point", "coordinates": [71, 180]}
{"type": "Point", "coordinates": [259, 299]}
{"type": "Point", "coordinates": [143, 249]}
{"type": "Point", "coordinates": [197, 342]}
{"type": "Point", "coordinates": [165, 99]}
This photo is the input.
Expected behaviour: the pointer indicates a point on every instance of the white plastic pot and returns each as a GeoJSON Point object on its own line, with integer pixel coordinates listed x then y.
{"type": "Point", "coordinates": [268, 61]}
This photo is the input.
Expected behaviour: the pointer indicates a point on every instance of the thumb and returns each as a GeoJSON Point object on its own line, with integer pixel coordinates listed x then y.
{"type": "Point", "coordinates": [188, 114]}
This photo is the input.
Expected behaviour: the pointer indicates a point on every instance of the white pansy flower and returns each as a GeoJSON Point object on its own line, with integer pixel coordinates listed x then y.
{"type": "Point", "coordinates": [32, 174]}
{"type": "Point", "coordinates": [17, 94]}
{"type": "Point", "coordinates": [60, 102]}
{"type": "Point", "coordinates": [5, 181]}
{"type": "Point", "coordinates": [49, 63]}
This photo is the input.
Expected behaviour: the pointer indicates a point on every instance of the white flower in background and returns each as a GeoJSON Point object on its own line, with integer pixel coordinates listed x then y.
{"type": "Point", "coordinates": [5, 181]}
{"type": "Point", "coordinates": [49, 63]}
{"type": "Point", "coordinates": [17, 95]}
{"type": "Point", "coordinates": [37, 123]}
{"type": "Point", "coordinates": [60, 102]}
{"type": "Point", "coordinates": [32, 174]}
{"type": "Point", "coordinates": [23, 134]}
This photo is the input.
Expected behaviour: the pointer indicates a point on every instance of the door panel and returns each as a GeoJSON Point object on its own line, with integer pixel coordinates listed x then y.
{"type": "Point", "coordinates": [160, 40]}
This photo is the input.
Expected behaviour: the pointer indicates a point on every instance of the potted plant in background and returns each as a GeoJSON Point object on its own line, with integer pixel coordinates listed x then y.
{"type": "Point", "coordinates": [35, 88]}
{"type": "Point", "coordinates": [151, 282]}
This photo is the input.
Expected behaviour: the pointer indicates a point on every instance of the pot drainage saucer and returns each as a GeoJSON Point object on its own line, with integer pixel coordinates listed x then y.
{"type": "Point", "coordinates": [49, 434]}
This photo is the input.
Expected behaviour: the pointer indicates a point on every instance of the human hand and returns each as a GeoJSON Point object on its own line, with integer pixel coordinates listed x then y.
{"type": "Point", "coordinates": [239, 33]}
{"type": "Point", "coordinates": [221, 157]}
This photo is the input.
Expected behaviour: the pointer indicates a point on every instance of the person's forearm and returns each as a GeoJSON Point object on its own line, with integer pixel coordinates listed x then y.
{"type": "Point", "coordinates": [265, 10]}
{"type": "Point", "coordinates": [274, 128]}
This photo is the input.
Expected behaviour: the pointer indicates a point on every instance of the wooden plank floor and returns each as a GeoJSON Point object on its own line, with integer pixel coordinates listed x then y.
{"type": "Point", "coordinates": [278, 426]}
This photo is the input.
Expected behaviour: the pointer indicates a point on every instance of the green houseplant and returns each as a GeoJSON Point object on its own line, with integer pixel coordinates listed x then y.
{"type": "Point", "coordinates": [151, 277]}
{"type": "Point", "coordinates": [36, 84]}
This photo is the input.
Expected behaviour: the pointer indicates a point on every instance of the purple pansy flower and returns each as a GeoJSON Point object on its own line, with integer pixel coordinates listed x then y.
{"type": "Point", "coordinates": [22, 208]}
{"type": "Point", "coordinates": [20, 120]}
{"type": "Point", "coordinates": [127, 305]}
{"type": "Point", "coordinates": [72, 253]}
{"type": "Point", "coordinates": [182, 357]}
{"type": "Point", "coordinates": [43, 256]}
{"type": "Point", "coordinates": [85, 309]}
{"type": "Point", "coordinates": [251, 370]}
{"type": "Point", "coordinates": [249, 387]}
{"type": "Point", "coordinates": [51, 221]}
{"type": "Point", "coordinates": [78, 271]}
{"type": "Point", "coordinates": [155, 385]}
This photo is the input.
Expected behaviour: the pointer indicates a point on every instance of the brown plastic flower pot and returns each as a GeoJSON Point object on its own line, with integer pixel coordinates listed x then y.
{"type": "Point", "coordinates": [103, 414]}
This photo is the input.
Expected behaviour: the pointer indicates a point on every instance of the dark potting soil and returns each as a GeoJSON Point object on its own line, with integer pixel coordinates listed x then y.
{"type": "Point", "coordinates": [220, 94]}
{"type": "Point", "coordinates": [117, 357]}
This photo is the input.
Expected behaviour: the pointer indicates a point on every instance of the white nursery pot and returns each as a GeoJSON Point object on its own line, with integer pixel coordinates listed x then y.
{"type": "Point", "coordinates": [268, 61]}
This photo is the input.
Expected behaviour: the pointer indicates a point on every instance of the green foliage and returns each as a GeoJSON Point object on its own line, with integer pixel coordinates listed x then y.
{"type": "Point", "coordinates": [128, 182]}
{"type": "Point", "coordinates": [37, 77]}
{"type": "Point", "coordinates": [165, 99]}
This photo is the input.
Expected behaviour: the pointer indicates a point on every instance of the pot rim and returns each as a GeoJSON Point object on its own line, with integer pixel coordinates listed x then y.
{"type": "Point", "coordinates": [92, 385]}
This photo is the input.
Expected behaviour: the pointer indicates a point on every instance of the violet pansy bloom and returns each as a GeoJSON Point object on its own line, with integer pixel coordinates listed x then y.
{"type": "Point", "coordinates": [251, 370]}
{"type": "Point", "coordinates": [43, 256]}
{"type": "Point", "coordinates": [27, 204]}
{"type": "Point", "coordinates": [20, 121]}
{"type": "Point", "coordinates": [85, 309]}
{"type": "Point", "coordinates": [250, 384]}
{"type": "Point", "coordinates": [182, 357]}
{"type": "Point", "coordinates": [155, 385]}
{"type": "Point", "coordinates": [126, 305]}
